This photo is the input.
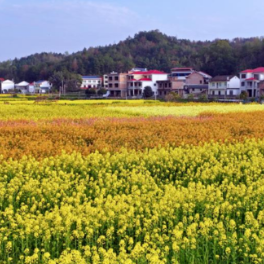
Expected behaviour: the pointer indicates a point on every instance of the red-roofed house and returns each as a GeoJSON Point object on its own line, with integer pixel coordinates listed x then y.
{"type": "Point", "coordinates": [138, 80]}
{"type": "Point", "coordinates": [250, 80]}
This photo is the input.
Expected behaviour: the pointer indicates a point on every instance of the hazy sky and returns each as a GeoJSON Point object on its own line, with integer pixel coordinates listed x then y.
{"type": "Point", "coordinates": [30, 26]}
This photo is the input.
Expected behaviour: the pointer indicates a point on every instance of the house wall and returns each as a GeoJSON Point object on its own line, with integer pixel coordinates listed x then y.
{"type": "Point", "coordinates": [8, 85]}
{"type": "Point", "coordinates": [234, 83]}
{"type": "Point", "coordinates": [195, 78]}
{"type": "Point", "coordinates": [91, 82]}
{"type": "Point", "coordinates": [175, 85]}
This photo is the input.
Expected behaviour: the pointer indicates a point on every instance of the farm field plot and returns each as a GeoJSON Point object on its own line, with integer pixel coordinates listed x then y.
{"type": "Point", "coordinates": [30, 110]}
{"type": "Point", "coordinates": [131, 182]}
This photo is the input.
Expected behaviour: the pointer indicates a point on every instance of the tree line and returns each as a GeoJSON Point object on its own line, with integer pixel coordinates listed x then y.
{"type": "Point", "coordinates": [152, 50]}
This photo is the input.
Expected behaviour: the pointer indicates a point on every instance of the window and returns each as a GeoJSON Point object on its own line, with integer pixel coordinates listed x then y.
{"type": "Point", "coordinates": [219, 92]}
{"type": "Point", "coordinates": [110, 78]}
{"type": "Point", "coordinates": [243, 84]}
{"type": "Point", "coordinates": [256, 76]}
{"type": "Point", "coordinates": [243, 76]}
{"type": "Point", "coordinates": [231, 93]}
{"type": "Point", "coordinates": [110, 85]}
{"type": "Point", "coordinates": [201, 82]}
{"type": "Point", "coordinates": [116, 85]}
{"type": "Point", "coordinates": [213, 92]}
{"type": "Point", "coordinates": [213, 84]}
{"type": "Point", "coordinates": [116, 78]}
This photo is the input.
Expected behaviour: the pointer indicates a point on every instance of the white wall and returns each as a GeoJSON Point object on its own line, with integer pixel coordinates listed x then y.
{"type": "Point", "coordinates": [45, 84]}
{"type": "Point", "coordinates": [8, 85]}
{"type": "Point", "coordinates": [234, 83]}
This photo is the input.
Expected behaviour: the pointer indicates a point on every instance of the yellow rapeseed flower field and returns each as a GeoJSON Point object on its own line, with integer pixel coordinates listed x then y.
{"type": "Point", "coordinates": [96, 182]}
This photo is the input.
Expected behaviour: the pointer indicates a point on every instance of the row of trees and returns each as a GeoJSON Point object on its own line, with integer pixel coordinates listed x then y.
{"type": "Point", "coordinates": [152, 50]}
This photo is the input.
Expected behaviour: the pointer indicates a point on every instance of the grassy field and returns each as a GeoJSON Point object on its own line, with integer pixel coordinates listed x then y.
{"type": "Point", "coordinates": [131, 182]}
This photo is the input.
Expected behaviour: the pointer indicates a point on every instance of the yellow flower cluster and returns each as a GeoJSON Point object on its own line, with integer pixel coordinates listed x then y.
{"type": "Point", "coordinates": [29, 110]}
{"type": "Point", "coordinates": [189, 204]}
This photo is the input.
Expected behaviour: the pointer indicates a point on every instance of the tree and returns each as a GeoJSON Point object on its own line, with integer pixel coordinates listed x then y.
{"type": "Point", "coordinates": [90, 92]}
{"type": "Point", "coordinates": [148, 92]}
{"type": "Point", "coordinates": [70, 81]}
{"type": "Point", "coordinates": [243, 95]}
{"type": "Point", "coordinates": [102, 91]}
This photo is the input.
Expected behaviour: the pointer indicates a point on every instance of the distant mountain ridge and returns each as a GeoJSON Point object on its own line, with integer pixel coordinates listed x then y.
{"type": "Point", "coordinates": [152, 50]}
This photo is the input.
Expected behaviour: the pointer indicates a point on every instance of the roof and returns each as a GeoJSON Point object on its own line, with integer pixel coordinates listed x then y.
{"type": "Point", "coordinates": [148, 72]}
{"type": "Point", "coordinates": [23, 83]}
{"type": "Point", "coordinates": [2, 79]}
{"type": "Point", "coordinates": [8, 81]}
{"type": "Point", "coordinates": [222, 78]}
{"type": "Point", "coordinates": [182, 69]}
{"type": "Point", "coordinates": [257, 70]}
{"type": "Point", "coordinates": [251, 79]}
{"type": "Point", "coordinates": [197, 86]}
{"type": "Point", "coordinates": [247, 71]}
{"type": "Point", "coordinates": [91, 77]}
{"type": "Point", "coordinates": [145, 79]}
{"type": "Point", "coordinates": [205, 74]}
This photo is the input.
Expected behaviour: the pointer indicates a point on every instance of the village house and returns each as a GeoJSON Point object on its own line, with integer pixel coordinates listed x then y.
{"type": "Point", "coordinates": [261, 88]}
{"type": "Point", "coordinates": [91, 82]}
{"type": "Point", "coordinates": [185, 81]}
{"type": "Point", "coordinates": [138, 80]}
{"type": "Point", "coordinates": [250, 80]}
{"type": "Point", "coordinates": [196, 84]}
{"type": "Point", "coordinates": [175, 82]}
{"type": "Point", "coordinates": [224, 87]}
{"type": "Point", "coordinates": [116, 84]}
{"type": "Point", "coordinates": [23, 87]}
{"type": "Point", "coordinates": [42, 87]}
{"type": "Point", "coordinates": [8, 86]}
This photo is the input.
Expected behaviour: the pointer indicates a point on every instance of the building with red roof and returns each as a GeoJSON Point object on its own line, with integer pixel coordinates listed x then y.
{"type": "Point", "coordinates": [138, 80]}
{"type": "Point", "coordinates": [250, 79]}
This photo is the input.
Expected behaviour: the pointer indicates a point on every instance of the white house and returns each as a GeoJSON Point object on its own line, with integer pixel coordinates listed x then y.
{"type": "Point", "coordinates": [23, 87]}
{"type": "Point", "coordinates": [138, 80]}
{"type": "Point", "coordinates": [226, 86]}
{"type": "Point", "coordinates": [91, 82]}
{"type": "Point", "coordinates": [250, 80]}
{"type": "Point", "coordinates": [42, 86]}
{"type": "Point", "coordinates": [7, 85]}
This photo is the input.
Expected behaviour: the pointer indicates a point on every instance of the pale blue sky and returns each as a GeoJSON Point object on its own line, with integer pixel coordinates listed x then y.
{"type": "Point", "coordinates": [30, 26]}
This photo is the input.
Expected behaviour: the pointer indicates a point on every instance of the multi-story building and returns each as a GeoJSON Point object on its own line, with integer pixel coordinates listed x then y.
{"type": "Point", "coordinates": [116, 84]}
{"type": "Point", "coordinates": [196, 84]}
{"type": "Point", "coordinates": [91, 82]}
{"type": "Point", "coordinates": [138, 80]}
{"type": "Point", "coordinates": [250, 80]}
{"type": "Point", "coordinates": [224, 87]}
{"type": "Point", "coordinates": [261, 88]}
{"type": "Point", "coordinates": [185, 81]}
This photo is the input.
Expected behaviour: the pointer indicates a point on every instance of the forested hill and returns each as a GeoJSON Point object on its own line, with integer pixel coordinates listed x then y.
{"type": "Point", "coordinates": [152, 50]}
